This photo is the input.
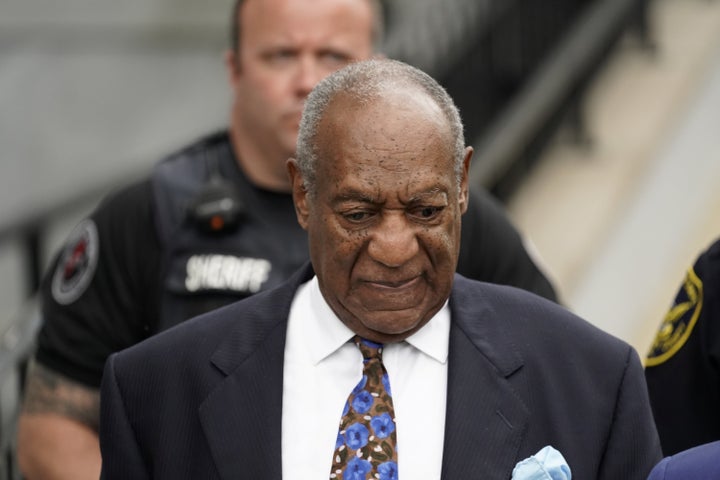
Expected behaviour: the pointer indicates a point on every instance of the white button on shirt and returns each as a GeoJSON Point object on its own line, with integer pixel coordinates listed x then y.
{"type": "Point", "coordinates": [322, 367]}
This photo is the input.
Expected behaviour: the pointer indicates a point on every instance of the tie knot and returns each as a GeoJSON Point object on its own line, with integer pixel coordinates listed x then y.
{"type": "Point", "coordinates": [369, 349]}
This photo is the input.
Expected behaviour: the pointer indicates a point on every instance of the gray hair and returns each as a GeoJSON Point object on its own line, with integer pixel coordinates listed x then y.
{"type": "Point", "coordinates": [365, 81]}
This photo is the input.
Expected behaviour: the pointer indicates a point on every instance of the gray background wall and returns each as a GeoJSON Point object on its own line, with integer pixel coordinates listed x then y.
{"type": "Point", "coordinates": [94, 90]}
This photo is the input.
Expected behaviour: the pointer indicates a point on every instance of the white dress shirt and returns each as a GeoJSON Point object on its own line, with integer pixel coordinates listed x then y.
{"type": "Point", "coordinates": [322, 368]}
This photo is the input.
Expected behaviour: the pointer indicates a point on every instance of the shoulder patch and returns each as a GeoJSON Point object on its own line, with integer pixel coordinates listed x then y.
{"type": "Point", "coordinates": [77, 263]}
{"type": "Point", "coordinates": [679, 321]}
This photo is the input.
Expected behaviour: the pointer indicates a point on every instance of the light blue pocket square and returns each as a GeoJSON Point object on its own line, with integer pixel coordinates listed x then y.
{"type": "Point", "coordinates": [547, 464]}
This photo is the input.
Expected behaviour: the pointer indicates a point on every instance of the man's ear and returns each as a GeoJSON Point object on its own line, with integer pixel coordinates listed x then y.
{"type": "Point", "coordinates": [464, 193]}
{"type": "Point", "coordinates": [232, 67]}
{"type": "Point", "coordinates": [299, 193]}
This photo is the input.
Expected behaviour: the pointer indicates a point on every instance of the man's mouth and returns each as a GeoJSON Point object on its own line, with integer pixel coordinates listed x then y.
{"type": "Point", "coordinates": [395, 284]}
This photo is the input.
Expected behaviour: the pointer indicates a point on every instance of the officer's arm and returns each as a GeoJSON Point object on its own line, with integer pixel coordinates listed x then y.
{"type": "Point", "coordinates": [58, 428]}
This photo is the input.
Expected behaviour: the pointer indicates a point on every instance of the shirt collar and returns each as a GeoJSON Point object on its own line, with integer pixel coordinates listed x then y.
{"type": "Point", "coordinates": [433, 339]}
{"type": "Point", "coordinates": [330, 333]}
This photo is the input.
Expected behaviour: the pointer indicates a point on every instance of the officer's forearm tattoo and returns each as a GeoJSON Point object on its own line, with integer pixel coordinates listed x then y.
{"type": "Point", "coordinates": [49, 392]}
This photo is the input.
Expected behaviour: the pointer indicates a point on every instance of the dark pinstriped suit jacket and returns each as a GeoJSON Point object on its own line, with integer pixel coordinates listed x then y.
{"type": "Point", "coordinates": [203, 400]}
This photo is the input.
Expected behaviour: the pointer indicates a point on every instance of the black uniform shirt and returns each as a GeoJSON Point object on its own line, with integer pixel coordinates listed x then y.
{"type": "Point", "coordinates": [683, 366]}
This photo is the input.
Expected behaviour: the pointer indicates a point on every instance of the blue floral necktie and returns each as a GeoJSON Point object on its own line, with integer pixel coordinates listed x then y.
{"type": "Point", "coordinates": [366, 446]}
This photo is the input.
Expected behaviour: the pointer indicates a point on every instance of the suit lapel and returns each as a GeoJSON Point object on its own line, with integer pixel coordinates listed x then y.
{"type": "Point", "coordinates": [485, 420]}
{"type": "Point", "coordinates": [242, 416]}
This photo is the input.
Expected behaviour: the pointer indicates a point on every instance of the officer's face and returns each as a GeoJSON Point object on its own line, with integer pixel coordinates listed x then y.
{"type": "Point", "coordinates": [384, 222]}
{"type": "Point", "coordinates": [286, 48]}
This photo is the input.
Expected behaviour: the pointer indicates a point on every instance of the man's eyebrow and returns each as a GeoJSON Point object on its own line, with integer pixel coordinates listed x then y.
{"type": "Point", "coordinates": [354, 196]}
{"type": "Point", "coordinates": [335, 50]}
{"type": "Point", "coordinates": [424, 196]}
{"type": "Point", "coordinates": [363, 197]}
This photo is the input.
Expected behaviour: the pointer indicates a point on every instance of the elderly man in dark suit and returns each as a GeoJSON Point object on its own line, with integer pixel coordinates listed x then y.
{"type": "Point", "coordinates": [453, 378]}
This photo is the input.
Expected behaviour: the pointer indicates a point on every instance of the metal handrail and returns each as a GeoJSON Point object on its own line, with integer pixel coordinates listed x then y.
{"type": "Point", "coordinates": [506, 138]}
{"type": "Point", "coordinates": [18, 337]}
{"type": "Point", "coordinates": [28, 227]}
{"type": "Point", "coordinates": [17, 341]}
{"type": "Point", "coordinates": [27, 221]}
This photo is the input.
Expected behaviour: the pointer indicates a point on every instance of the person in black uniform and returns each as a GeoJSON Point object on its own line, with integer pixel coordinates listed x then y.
{"type": "Point", "coordinates": [213, 224]}
{"type": "Point", "coordinates": [682, 368]}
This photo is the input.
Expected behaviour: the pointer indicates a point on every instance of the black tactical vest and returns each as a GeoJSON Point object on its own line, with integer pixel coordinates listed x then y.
{"type": "Point", "coordinates": [204, 269]}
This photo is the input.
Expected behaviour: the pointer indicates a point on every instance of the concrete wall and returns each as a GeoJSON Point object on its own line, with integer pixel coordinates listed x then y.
{"type": "Point", "coordinates": [92, 91]}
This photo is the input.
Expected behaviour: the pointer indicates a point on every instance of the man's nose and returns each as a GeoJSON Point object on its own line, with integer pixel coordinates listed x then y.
{"type": "Point", "coordinates": [394, 242]}
{"type": "Point", "coordinates": [309, 73]}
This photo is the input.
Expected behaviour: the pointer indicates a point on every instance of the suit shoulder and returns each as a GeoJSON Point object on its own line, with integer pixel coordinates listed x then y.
{"type": "Point", "coordinates": [529, 318]}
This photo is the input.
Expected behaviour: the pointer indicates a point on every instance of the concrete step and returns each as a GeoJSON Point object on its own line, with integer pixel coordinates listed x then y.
{"type": "Point", "coordinates": [617, 224]}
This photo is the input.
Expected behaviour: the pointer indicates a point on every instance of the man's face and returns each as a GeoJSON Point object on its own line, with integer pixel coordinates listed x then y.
{"type": "Point", "coordinates": [286, 48]}
{"type": "Point", "coordinates": [384, 222]}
